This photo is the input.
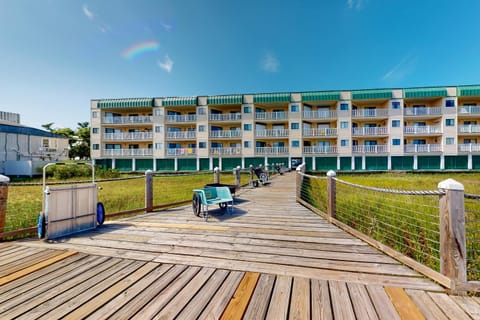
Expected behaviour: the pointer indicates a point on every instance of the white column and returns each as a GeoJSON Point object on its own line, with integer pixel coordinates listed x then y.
{"type": "Point", "coordinates": [389, 162]}
{"type": "Point", "coordinates": [243, 162]}
{"type": "Point", "coordinates": [198, 164]}
{"type": "Point", "coordinates": [220, 165]}
{"type": "Point", "coordinates": [415, 162]}
{"type": "Point", "coordinates": [470, 162]}
{"type": "Point", "coordinates": [210, 163]}
{"type": "Point", "coordinates": [175, 164]}
{"type": "Point", "coordinates": [314, 163]}
{"type": "Point", "coordinates": [154, 164]}
{"type": "Point", "coordinates": [113, 164]}
{"type": "Point", "coordinates": [442, 162]}
{"type": "Point", "coordinates": [134, 164]}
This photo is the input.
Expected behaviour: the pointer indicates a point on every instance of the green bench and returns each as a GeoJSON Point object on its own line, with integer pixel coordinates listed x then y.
{"type": "Point", "coordinates": [209, 196]}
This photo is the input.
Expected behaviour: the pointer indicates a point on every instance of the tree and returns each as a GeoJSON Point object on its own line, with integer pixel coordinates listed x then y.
{"type": "Point", "coordinates": [79, 140]}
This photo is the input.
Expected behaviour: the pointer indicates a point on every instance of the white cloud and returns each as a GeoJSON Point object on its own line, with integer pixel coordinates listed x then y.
{"type": "Point", "coordinates": [166, 65]}
{"type": "Point", "coordinates": [89, 14]}
{"type": "Point", "coordinates": [356, 4]}
{"type": "Point", "coordinates": [270, 63]}
{"type": "Point", "coordinates": [167, 27]}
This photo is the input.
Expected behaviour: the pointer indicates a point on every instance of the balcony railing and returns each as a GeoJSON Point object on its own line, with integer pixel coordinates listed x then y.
{"type": "Point", "coordinates": [469, 110]}
{"type": "Point", "coordinates": [469, 147]}
{"type": "Point", "coordinates": [271, 115]}
{"type": "Point", "coordinates": [226, 151]}
{"type": "Point", "coordinates": [369, 113]}
{"type": "Point", "coordinates": [422, 130]}
{"type": "Point", "coordinates": [271, 150]}
{"type": "Point", "coordinates": [414, 148]}
{"type": "Point", "coordinates": [225, 134]}
{"type": "Point", "coordinates": [181, 152]}
{"type": "Point", "coordinates": [226, 117]}
{"type": "Point", "coordinates": [127, 120]}
{"type": "Point", "coordinates": [127, 152]}
{"type": "Point", "coordinates": [320, 132]}
{"type": "Point", "coordinates": [426, 111]}
{"type": "Point", "coordinates": [320, 149]}
{"type": "Point", "coordinates": [380, 148]}
{"type": "Point", "coordinates": [181, 135]}
{"type": "Point", "coordinates": [370, 131]}
{"type": "Point", "coordinates": [470, 128]}
{"type": "Point", "coordinates": [320, 114]}
{"type": "Point", "coordinates": [137, 136]}
{"type": "Point", "coordinates": [182, 118]}
{"type": "Point", "coordinates": [271, 133]}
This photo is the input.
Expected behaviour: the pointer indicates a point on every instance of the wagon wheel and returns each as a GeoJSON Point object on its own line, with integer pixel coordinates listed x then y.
{"type": "Point", "coordinates": [100, 213]}
{"type": "Point", "coordinates": [41, 228]}
{"type": "Point", "coordinates": [223, 205]}
{"type": "Point", "coordinates": [196, 205]}
{"type": "Point", "coordinates": [264, 177]}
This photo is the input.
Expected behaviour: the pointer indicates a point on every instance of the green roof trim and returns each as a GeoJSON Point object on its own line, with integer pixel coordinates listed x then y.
{"type": "Point", "coordinates": [372, 94]}
{"type": "Point", "coordinates": [424, 92]}
{"type": "Point", "coordinates": [468, 91]}
{"type": "Point", "coordinates": [126, 103]}
{"type": "Point", "coordinates": [229, 99]}
{"type": "Point", "coordinates": [179, 101]}
{"type": "Point", "coordinates": [321, 95]}
{"type": "Point", "coordinates": [271, 97]}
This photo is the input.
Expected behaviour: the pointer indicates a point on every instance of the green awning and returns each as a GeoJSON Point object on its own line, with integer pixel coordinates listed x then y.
{"type": "Point", "coordinates": [468, 91]}
{"type": "Point", "coordinates": [126, 103]}
{"type": "Point", "coordinates": [425, 92]}
{"type": "Point", "coordinates": [372, 94]}
{"type": "Point", "coordinates": [271, 97]}
{"type": "Point", "coordinates": [179, 101]}
{"type": "Point", "coordinates": [229, 99]}
{"type": "Point", "coordinates": [321, 95]}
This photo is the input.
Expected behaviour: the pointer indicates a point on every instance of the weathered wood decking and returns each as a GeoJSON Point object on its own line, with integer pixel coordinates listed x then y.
{"type": "Point", "coordinates": [270, 259]}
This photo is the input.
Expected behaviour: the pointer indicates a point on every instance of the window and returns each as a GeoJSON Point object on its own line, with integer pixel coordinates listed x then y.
{"type": "Point", "coordinates": [449, 122]}
{"type": "Point", "coordinates": [201, 128]}
{"type": "Point", "coordinates": [159, 129]}
{"type": "Point", "coordinates": [395, 123]}
{"type": "Point", "coordinates": [95, 146]}
{"type": "Point", "coordinates": [395, 142]}
{"type": "Point", "coordinates": [449, 140]}
{"type": "Point", "coordinates": [247, 126]}
{"type": "Point", "coordinates": [94, 130]}
{"type": "Point", "coordinates": [94, 114]}
{"type": "Point", "coordinates": [247, 144]}
{"type": "Point", "coordinates": [295, 143]}
{"type": "Point", "coordinates": [158, 112]}
{"type": "Point", "coordinates": [202, 145]}
{"type": "Point", "coordinates": [344, 143]}
{"type": "Point", "coordinates": [247, 109]}
{"type": "Point", "coordinates": [344, 124]}
{"type": "Point", "coordinates": [450, 103]}
{"type": "Point", "coordinates": [158, 146]}
{"type": "Point", "coordinates": [343, 106]}
{"type": "Point", "coordinates": [295, 126]}
{"type": "Point", "coordinates": [202, 111]}
{"type": "Point", "coordinates": [395, 104]}
{"type": "Point", "coordinates": [294, 108]}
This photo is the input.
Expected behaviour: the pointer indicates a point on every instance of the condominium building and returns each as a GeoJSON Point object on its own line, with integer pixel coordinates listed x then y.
{"type": "Point", "coordinates": [428, 128]}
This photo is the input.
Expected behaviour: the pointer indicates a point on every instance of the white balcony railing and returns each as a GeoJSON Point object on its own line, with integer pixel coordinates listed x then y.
{"type": "Point", "coordinates": [271, 115]}
{"type": "Point", "coordinates": [370, 131]}
{"type": "Point", "coordinates": [469, 110]}
{"type": "Point", "coordinates": [369, 113]}
{"type": "Point", "coordinates": [319, 149]}
{"type": "Point", "coordinates": [181, 118]}
{"type": "Point", "coordinates": [422, 130]}
{"type": "Point", "coordinates": [127, 120]}
{"type": "Point", "coordinates": [470, 128]}
{"type": "Point", "coordinates": [426, 111]}
{"type": "Point", "coordinates": [380, 148]}
{"type": "Point", "coordinates": [271, 150]}
{"type": "Point", "coordinates": [137, 136]}
{"type": "Point", "coordinates": [226, 151]}
{"type": "Point", "coordinates": [225, 134]}
{"type": "Point", "coordinates": [320, 114]}
{"type": "Point", "coordinates": [181, 135]}
{"type": "Point", "coordinates": [469, 147]}
{"type": "Point", "coordinates": [127, 152]}
{"type": "Point", "coordinates": [271, 133]}
{"type": "Point", "coordinates": [320, 132]}
{"type": "Point", "coordinates": [181, 151]}
{"type": "Point", "coordinates": [226, 117]}
{"type": "Point", "coordinates": [414, 148]}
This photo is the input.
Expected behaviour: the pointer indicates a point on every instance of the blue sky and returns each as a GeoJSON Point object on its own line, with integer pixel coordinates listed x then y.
{"type": "Point", "coordinates": [56, 55]}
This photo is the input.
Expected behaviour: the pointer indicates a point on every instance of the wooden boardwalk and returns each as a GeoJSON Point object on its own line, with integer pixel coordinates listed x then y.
{"type": "Point", "coordinates": [270, 259]}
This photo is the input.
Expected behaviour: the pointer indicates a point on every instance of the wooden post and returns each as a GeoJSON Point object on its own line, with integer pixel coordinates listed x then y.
{"type": "Point", "coordinates": [216, 175]}
{"type": "Point", "coordinates": [453, 256]}
{"type": "Point", "coordinates": [331, 194]}
{"type": "Point", "coordinates": [148, 191]}
{"type": "Point", "coordinates": [236, 172]}
{"type": "Point", "coordinates": [3, 200]}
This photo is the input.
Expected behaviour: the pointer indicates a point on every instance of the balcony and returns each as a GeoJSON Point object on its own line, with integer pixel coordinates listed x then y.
{"type": "Point", "coordinates": [321, 115]}
{"type": "Point", "coordinates": [424, 130]}
{"type": "Point", "coordinates": [370, 149]}
{"type": "Point", "coordinates": [130, 136]}
{"type": "Point", "coordinates": [319, 149]}
{"type": "Point", "coordinates": [128, 120]}
{"type": "Point", "coordinates": [181, 135]}
{"type": "Point", "coordinates": [225, 151]}
{"type": "Point", "coordinates": [471, 128]}
{"type": "Point", "coordinates": [271, 115]}
{"type": "Point", "coordinates": [424, 111]}
{"type": "Point", "coordinates": [271, 133]}
{"type": "Point", "coordinates": [370, 131]}
{"type": "Point", "coordinates": [127, 152]}
{"type": "Point", "coordinates": [419, 148]}
{"type": "Point", "coordinates": [470, 147]}
{"type": "Point", "coordinates": [227, 134]}
{"type": "Point", "coordinates": [320, 132]}
{"type": "Point", "coordinates": [369, 113]}
{"type": "Point", "coordinates": [225, 117]}
{"type": "Point", "coordinates": [181, 118]}
{"type": "Point", "coordinates": [468, 110]}
{"type": "Point", "coordinates": [183, 152]}
{"type": "Point", "coordinates": [271, 150]}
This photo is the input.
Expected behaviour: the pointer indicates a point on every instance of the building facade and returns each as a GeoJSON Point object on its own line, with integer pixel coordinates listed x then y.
{"type": "Point", "coordinates": [428, 128]}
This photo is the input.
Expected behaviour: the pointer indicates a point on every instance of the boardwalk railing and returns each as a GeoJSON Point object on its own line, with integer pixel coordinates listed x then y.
{"type": "Point", "coordinates": [436, 232]}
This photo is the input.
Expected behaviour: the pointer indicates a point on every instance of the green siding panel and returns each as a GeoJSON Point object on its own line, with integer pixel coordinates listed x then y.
{"type": "Point", "coordinates": [126, 103]}
{"type": "Point", "coordinates": [204, 164]}
{"type": "Point", "coordinates": [231, 163]}
{"type": "Point", "coordinates": [428, 162]}
{"type": "Point", "coordinates": [216, 163]}
{"type": "Point", "coordinates": [345, 163]}
{"type": "Point", "coordinates": [325, 95]}
{"type": "Point", "coordinates": [123, 164]}
{"type": "Point", "coordinates": [468, 91]}
{"type": "Point", "coordinates": [278, 160]}
{"type": "Point", "coordinates": [179, 101]}
{"type": "Point", "coordinates": [187, 164]}
{"type": "Point", "coordinates": [376, 163]}
{"type": "Point", "coordinates": [165, 164]}
{"type": "Point", "coordinates": [104, 163]}
{"type": "Point", "coordinates": [230, 99]}
{"type": "Point", "coordinates": [309, 163]}
{"type": "Point", "coordinates": [358, 163]}
{"type": "Point", "coordinates": [402, 163]}
{"type": "Point", "coordinates": [326, 163]}
{"type": "Point", "coordinates": [424, 92]}
{"type": "Point", "coordinates": [476, 162]}
{"type": "Point", "coordinates": [143, 164]}
{"type": "Point", "coordinates": [271, 97]}
{"type": "Point", "coordinates": [254, 161]}
{"type": "Point", "coordinates": [372, 94]}
{"type": "Point", "coordinates": [456, 162]}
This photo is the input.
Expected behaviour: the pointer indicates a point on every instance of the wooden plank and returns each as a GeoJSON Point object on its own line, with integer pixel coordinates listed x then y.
{"type": "Point", "coordinates": [300, 299]}
{"type": "Point", "coordinates": [405, 307]}
{"type": "Point", "coordinates": [383, 305]}
{"type": "Point", "coordinates": [341, 304]}
{"type": "Point", "coordinates": [469, 305]}
{"type": "Point", "coordinates": [260, 300]}
{"type": "Point", "coordinates": [448, 306]}
{"type": "Point", "coordinates": [426, 305]}
{"type": "Point", "coordinates": [239, 302]}
{"type": "Point", "coordinates": [27, 261]}
{"type": "Point", "coordinates": [321, 305]}
{"type": "Point", "coordinates": [362, 305]}
{"type": "Point", "coordinates": [279, 303]}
